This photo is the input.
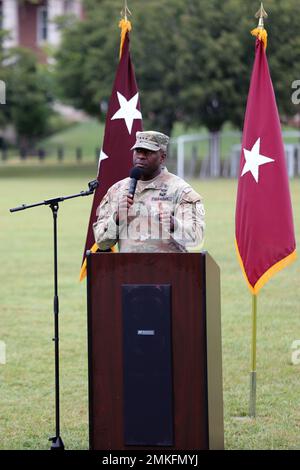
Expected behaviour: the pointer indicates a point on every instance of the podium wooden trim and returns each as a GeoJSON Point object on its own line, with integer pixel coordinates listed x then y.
{"type": "Point", "coordinates": [196, 345]}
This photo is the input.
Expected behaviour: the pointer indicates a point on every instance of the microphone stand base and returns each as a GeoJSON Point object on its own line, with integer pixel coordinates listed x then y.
{"type": "Point", "coordinates": [57, 443]}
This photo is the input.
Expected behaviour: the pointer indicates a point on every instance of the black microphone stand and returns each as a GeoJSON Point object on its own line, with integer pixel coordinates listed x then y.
{"type": "Point", "coordinates": [57, 442]}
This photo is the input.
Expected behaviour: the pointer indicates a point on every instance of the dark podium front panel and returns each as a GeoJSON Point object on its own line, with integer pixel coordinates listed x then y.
{"type": "Point", "coordinates": [154, 339]}
{"type": "Point", "coordinates": [147, 365]}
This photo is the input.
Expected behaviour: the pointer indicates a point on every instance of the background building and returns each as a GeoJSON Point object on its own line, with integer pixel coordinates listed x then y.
{"type": "Point", "coordinates": [32, 25]}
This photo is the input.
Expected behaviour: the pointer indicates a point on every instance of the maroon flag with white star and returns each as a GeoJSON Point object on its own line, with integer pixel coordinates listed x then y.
{"type": "Point", "coordinates": [123, 120]}
{"type": "Point", "coordinates": [265, 238]}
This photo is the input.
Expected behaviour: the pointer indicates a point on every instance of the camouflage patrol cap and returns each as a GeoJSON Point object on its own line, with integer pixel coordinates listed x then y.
{"type": "Point", "coordinates": [151, 140]}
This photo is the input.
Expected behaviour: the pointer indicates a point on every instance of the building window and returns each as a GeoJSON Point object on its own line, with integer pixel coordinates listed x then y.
{"type": "Point", "coordinates": [42, 24]}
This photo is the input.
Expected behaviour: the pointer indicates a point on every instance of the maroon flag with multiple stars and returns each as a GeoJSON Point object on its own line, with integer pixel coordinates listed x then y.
{"type": "Point", "coordinates": [123, 120]}
{"type": "Point", "coordinates": [265, 237]}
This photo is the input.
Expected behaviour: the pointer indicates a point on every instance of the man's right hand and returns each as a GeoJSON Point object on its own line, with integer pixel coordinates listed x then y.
{"type": "Point", "coordinates": [125, 202]}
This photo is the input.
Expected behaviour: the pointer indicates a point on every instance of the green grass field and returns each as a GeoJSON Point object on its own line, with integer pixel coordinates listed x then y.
{"type": "Point", "coordinates": [27, 378]}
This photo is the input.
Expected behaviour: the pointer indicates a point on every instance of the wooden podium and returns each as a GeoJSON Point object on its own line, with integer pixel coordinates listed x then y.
{"type": "Point", "coordinates": [154, 347]}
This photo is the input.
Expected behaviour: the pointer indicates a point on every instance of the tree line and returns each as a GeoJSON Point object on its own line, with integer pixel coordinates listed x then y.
{"type": "Point", "coordinates": [192, 58]}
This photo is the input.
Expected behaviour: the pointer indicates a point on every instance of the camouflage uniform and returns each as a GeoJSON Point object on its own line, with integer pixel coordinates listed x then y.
{"type": "Point", "coordinates": [143, 232]}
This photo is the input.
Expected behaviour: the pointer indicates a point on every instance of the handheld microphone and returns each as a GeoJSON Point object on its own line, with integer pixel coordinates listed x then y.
{"type": "Point", "coordinates": [93, 185]}
{"type": "Point", "coordinates": [135, 175]}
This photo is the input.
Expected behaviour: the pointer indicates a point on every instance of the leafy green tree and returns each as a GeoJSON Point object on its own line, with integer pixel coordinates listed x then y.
{"type": "Point", "coordinates": [216, 64]}
{"type": "Point", "coordinates": [88, 58]}
{"type": "Point", "coordinates": [155, 52]}
{"type": "Point", "coordinates": [193, 58]}
{"type": "Point", "coordinates": [27, 99]}
{"type": "Point", "coordinates": [209, 63]}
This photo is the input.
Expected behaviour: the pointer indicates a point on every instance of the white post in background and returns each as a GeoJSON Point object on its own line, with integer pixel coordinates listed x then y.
{"type": "Point", "coordinates": [180, 157]}
{"type": "Point", "coordinates": [181, 141]}
{"type": "Point", "coordinates": [215, 163]}
{"type": "Point", "coordinates": [10, 22]}
{"type": "Point", "coordinates": [2, 92]}
{"type": "Point", "coordinates": [298, 160]}
{"type": "Point", "coordinates": [289, 159]}
{"type": "Point", "coordinates": [2, 352]}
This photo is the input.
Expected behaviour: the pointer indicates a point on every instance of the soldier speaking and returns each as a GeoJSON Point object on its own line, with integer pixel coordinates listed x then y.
{"type": "Point", "coordinates": [163, 214]}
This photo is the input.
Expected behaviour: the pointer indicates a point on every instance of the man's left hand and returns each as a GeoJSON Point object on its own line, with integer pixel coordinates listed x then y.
{"type": "Point", "coordinates": [166, 219]}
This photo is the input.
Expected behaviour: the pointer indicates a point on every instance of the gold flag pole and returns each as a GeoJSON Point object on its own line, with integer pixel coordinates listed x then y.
{"type": "Point", "coordinates": [252, 402]}
{"type": "Point", "coordinates": [262, 34]}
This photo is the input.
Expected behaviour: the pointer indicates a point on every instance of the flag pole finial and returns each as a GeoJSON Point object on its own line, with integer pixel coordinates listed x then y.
{"type": "Point", "coordinates": [261, 14]}
{"type": "Point", "coordinates": [124, 24]}
{"type": "Point", "coordinates": [260, 32]}
{"type": "Point", "coordinates": [125, 12]}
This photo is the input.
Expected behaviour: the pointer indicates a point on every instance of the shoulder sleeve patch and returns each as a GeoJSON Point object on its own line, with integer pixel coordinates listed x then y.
{"type": "Point", "coordinates": [190, 195]}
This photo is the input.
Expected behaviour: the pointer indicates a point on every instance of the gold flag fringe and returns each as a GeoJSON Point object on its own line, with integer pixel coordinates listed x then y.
{"type": "Point", "coordinates": [261, 34]}
{"type": "Point", "coordinates": [283, 263]}
{"type": "Point", "coordinates": [126, 27]}
{"type": "Point", "coordinates": [83, 271]}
